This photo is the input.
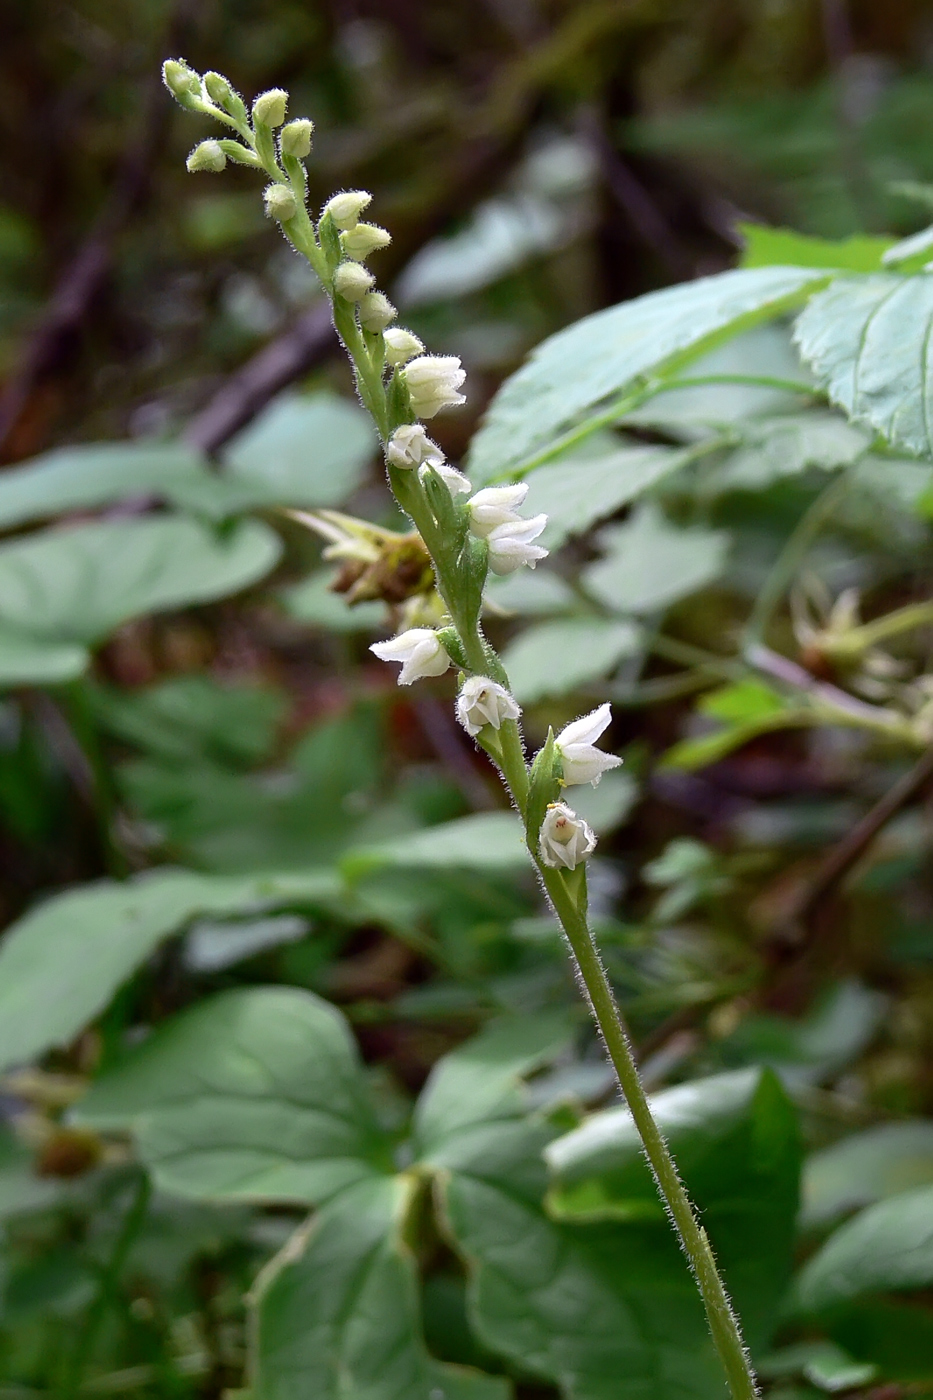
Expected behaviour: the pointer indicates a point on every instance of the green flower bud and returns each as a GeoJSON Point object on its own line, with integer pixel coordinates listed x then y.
{"type": "Point", "coordinates": [376, 311]}
{"type": "Point", "coordinates": [296, 138]}
{"type": "Point", "coordinates": [352, 281]}
{"type": "Point", "coordinates": [281, 203]}
{"type": "Point", "coordinates": [269, 107]}
{"type": "Point", "coordinates": [364, 239]}
{"type": "Point", "coordinates": [208, 156]}
{"type": "Point", "coordinates": [183, 83]}
{"type": "Point", "coordinates": [221, 93]}
{"type": "Point", "coordinates": [345, 209]}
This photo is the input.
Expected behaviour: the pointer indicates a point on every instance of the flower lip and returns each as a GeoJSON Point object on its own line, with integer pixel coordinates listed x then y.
{"type": "Point", "coordinates": [581, 760]}
{"type": "Point", "coordinates": [510, 544]}
{"type": "Point", "coordinates": [565, 838]}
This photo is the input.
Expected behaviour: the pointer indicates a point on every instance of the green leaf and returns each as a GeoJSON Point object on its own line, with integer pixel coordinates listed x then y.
{"type": "Point", "coordinates": [868, 343]}
{"type": "Point", "coordinates": [650, 564]}
{"type": "Point", "coordinates": [896, 1337]}
{"type": "Point", "coordinates": [908, 248]}
{"type": "Point", "coordinates": [823, 1363]}
{"type": "Point", "coordinates": [742, 702]}
{"type": "Point", "coordinates": [484, 841]}
{"type": "Point", "coordinates": [337, 1315]}
{"type": "Point", "coordinates": [888, 1246]}
{"type": "Point", "coordinates": [576, 492]}
{"type": "Point", "coordinates": [61, 963]}
{"type": "Point", "coordinates": [531, 592]}
{"type": "Point", "coordinates": [312, 601]}
{"type": "Point", "coordinates": [570, 378]}
{"type": "Point", "coordinates": [588, 647]}
{"type": "Point", "coordinates": [770, 247]}
{"type": "Point", "coordinates": [20, 1188]}
{"type": "Point", "coordinates": [736, 1143]}
{"type": "Point", "coordinates": [691, 754]}
{"type": "Point", "coordinates": [26, 660]}
{"type": "Point", "coordinates": [866, 1167]}
{"type": "Point", "coordinates": [256, 1095]}
{"type": "Point", "coordinates": [78, 584]}
{"type": "Point", "coordinates": [191, 717]}
{"type": "Point", "coordinates": [778, 447]}
{"type": "Point", "coordinates": [82, 477]}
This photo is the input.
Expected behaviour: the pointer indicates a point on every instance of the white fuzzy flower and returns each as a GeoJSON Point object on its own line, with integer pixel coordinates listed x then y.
{"type": "Point", "coordinates": [410, 446]}
{"type": "Point", "coordinates": [510, 545]}
{"type": "Point", "coordinates": [456, 483]}
{"type": "Point", "coordinates": [582, 761]}
{"type": "Point", "coordinates": [433, 381]}
{"type": "Point", "coordinates": [420, 652]}
{"type": "Point", "coordinates": [401, 346]}
{"type": "Point", "coordinates": [482, 702]}
{"type": "Point", "coordinates": [565, 838]}
{"type": "Point", "coordinates": [351, 280]}
{"type": "Point", "coordinates": [345, 208]}
{"type": "Point", "coordinates": [494, 506]}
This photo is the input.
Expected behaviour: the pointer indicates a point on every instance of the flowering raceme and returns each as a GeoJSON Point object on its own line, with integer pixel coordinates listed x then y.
{"type": "Point", "coordinates": [582, 761]}
{"type": "Point", "coordinates": [420, 651]}
{"type": "Point", "coordinates": [483, 701]}
{"type": "Point", "coordinates": [565, 838]}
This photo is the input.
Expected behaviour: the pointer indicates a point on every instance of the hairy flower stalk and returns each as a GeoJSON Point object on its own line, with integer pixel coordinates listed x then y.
{"type": "Point", "coordinates": [466, 535]}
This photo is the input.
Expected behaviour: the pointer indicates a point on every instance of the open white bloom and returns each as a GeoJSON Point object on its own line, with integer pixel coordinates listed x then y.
{"type": "Point", "coordinates": [510, 545]}
{"type": "Point", "coordinates": [420, 652]}
{"type": "Point", "coordinates": [455, 481]}
{"type": "Point", "coordinates": [483, 701]}
{"type": "Point", "coordinates": [410, 446]}
{"type": "Point", "coordinates": [401, 346]}
{"type": "Point", "coordinates": [565, 838]}
{"type": "Point", "coordinates": [582, 761]}
{"type": "Point", "coordinates": [433, 381]}
{"type": "Point", "coordinates": [494, 506]}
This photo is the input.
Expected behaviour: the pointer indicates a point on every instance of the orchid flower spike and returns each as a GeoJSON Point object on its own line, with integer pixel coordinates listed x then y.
{"type": "Point", "coordinates": [576, 743]}
{"type": "Point", "coordinates": [510, 544]}
{"type": "Point", "coordinates": [494, 506]}
{"type": "Point", "coordinates": [565, 838]}
{"type": "Point", "coordinates": [420, 651]}
{"type": "Point", "coordinates": [483, 701]}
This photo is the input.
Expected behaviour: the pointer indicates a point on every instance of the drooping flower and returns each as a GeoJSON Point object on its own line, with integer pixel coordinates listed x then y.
{"type": "Point", "coordinates": [494, 506]}
{"type": "Point", "coordinates": [565, 839]}
{"type": "Point", "coordinates": [409, 446]}
{"type": "Point", "coordinates": [419, 650]}
{"type": "Point", "coordinates": [483, 701]}
{"type": "Point", "coordinates": [510, 545]}
{"type": "Point", "coordinates": [582, 761]}
{"type": "Point", "coordinates": [456, 483]}
{"type": "Point", "coordinates": [208, 155]}
{"type": "Point", "coordinates": [433, 381]}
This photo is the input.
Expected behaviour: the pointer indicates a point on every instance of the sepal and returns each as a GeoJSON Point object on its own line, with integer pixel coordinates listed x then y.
{"type": "Point", "coordinates": [543, 789]}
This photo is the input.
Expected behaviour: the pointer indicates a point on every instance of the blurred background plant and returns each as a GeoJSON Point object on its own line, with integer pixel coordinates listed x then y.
{"type": "Point", "coordinates": [743, 573]}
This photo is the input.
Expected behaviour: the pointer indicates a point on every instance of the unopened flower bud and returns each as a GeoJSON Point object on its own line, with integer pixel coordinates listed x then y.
{"type": "Point", "coordinates": [182, 82]}
{"type": "Point", "coordinates": [410, 446]}
{"type": "Point", "coordinates": [352, 281]}
{"type": "Point", "coordinates": [376, 311]}
{"type": "Point", "coordinates": [433, 381]}
{"type": "Point", "coordinates": [269, 107]}
{"type": "Point", "coordinates": [483, 701]}
{"type": "Point", "coordinates": [401, 346]}
{"type": "Point", "coordinates": [420, 652]}
{"type": "Point", "coordinates": [457, 484]}
{"type": "Point", "coordinates": [565, 839]}
{"type": "Point", "coordinates": [281, 203]}
{"type": "Point", "coordinates": [221, 93]}
{"type": "Point", "coordinates": [345, 208]}
{"type": "Point", "coordinates": [295, 138]}
{"type": "Point", "coordinates": [207, 156]}
{"type": "Point", "coordinates": [363, 239]}
{"type": "Point", "coordinates": [581, 760]}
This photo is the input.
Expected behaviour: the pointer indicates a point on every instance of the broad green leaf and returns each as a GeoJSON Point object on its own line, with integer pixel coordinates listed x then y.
{"type": "Point", "coordinates": [26, 660]}
{"type": "Point", "coordinates": [887, 1247]}
{"type": "Point", "coordinates": [569, 380]}
{"type": "Point", "coordinates": [895, 1337]}
{"type": "Point", "coordinates": [82, 477]}
{"type": "Point", "coordinates": [588, 648]}
{"type": "Point", "coordinates": [190, 717]}
{"type": "Point", "coordinates": [480, 1082]}
{"type": "Point", "coordinates": [691, 754]}
{"type": "Point", "coordinates": [312, 601]}
{"type": "Point", "coordinates": [769, 247]}
{"type": "Point", "coordinates": [777, 447]}
{"type": "Point", "coordinates": [257, 1094]}
{"type": "Point", "coordinates": [606, 1311]}
{"type": "Point", "coordinates": [530, 593]}
{"type": "Point", "coordinates": [608, 804]}
{"type": "Point", "coordinates": [61, 963]}
{"type": "Point", "coordinates": [78, 584]}
{"type": "Point", "coordinates": [909, 248]}
{"type": "Point", "coordinates": [575, 493]}
{"type": "Point", "coordinates": [868, 343]}
{"type": "Point", "coordinates": [735, 1139]}
{"type": "Point", "coordinates": [20, 1188]}
{"type": "Point", "coordinates": [337, 1314]}
{"type": "Point", "coordinates": [650, 563]}
{"type": "Point", "coordinates": [823, 1363]}
{"type": "Point", "coordinates": [484, 841]}
{"type": "Point", "coordinates": [867, 1167]}
{"type": "Point", "coordinates": [212, 946]}
{"type": "Point", "coordinates": [744, 701]}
